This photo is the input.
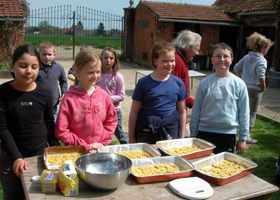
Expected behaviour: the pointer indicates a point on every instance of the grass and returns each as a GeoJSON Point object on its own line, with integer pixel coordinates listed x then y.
{"type": "Point", "coordinates": [265, 154]}
{"type": "Point", "coordinates": [66, 40]}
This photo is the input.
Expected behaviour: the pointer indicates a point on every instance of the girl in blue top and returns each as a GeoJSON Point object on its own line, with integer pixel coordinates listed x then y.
{"type": "Point", "coordinates": [221, 105]}
{"type": "Point", "coordinates": [158, 108]}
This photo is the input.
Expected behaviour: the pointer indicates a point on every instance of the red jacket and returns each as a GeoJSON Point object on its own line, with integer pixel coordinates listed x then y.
{"type": "Point", "coordinates": [181, 70]}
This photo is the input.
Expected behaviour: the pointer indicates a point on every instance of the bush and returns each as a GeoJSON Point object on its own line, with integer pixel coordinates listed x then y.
{"type": "Point", "coordinates": [4, 66]}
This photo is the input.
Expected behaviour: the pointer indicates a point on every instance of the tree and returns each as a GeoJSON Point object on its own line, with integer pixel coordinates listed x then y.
{"type": "Point", "coordinates": [46, 26]}
{"type": "Point", "coordinates": [100, 30]}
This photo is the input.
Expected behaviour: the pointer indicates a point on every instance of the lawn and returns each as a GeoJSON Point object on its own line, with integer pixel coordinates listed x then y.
{"type": "Point", "coordinates": [66, 40]}
{"type": "Point", "coordinates": [265, 154]}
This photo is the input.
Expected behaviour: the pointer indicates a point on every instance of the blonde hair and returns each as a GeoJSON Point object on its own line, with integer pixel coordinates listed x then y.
{"type": "Point", "coordinates": [161, 48]}
{"type": "Point", "coordinates": [256, 42]}
{"type": "Point", "coordinates": [46, 45]}
{"type": "Point", "coordinates": [84, 57]}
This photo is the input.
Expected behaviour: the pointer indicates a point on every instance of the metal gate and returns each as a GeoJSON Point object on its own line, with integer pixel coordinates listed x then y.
{"type": "Point", "coordinates": [69, 29]}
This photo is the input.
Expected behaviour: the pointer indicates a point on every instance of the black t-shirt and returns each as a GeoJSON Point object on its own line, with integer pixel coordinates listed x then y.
{"type": "Point", "coordinates": [26, 120]}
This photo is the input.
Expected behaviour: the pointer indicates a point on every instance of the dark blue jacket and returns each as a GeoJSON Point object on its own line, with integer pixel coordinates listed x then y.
{"type": "Point", "coordinates": [50, 76]}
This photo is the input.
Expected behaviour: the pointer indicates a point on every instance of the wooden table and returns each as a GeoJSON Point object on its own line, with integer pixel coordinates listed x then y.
{"type": "Point", "coordinates": [192, 73]}
{"type": "Point", "coordinates": [247, 187]}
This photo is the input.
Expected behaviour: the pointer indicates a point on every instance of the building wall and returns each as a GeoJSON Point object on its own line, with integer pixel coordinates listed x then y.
{"type": "Point", "coordinates": [145, 33]}
{"type": "Point", "coordinates": [15, 37]}
{"type": "Point", "coordinates": [210, 35]}
{"type": "Point", "coordinates": [128, 33]}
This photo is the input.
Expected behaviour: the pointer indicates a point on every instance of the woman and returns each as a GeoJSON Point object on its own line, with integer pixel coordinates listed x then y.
{"type": "Point", "coordinates": [187, 45]}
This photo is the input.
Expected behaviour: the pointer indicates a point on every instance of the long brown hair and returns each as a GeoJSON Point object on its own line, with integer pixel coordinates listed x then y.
{"type": "Point", "coordinates": [116, 65]}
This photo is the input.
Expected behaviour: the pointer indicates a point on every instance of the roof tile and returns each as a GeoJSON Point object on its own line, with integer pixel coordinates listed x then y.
{"type": "Point", "coordinates": [11, 8]}
{"type": "Point", "coordinates": [186, 11]}
{"type": "Point", "coordinates": [235, 6]}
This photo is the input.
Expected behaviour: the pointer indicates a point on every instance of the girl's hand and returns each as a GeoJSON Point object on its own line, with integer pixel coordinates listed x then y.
{"type": "Point", "coordinates": [262, 84]}
{"type": "Point", "coordinates": [241, 146]}
{"type": "Point", "coordinates": [94, 146]}
{"type": "Point", "coordinates": [19, 166]}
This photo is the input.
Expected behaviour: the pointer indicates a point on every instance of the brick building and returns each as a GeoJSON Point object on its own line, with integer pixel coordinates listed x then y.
{"type": "Point", "coordinates": [225, 21]}
{"type": "Point", "coordinates": [12, 20]}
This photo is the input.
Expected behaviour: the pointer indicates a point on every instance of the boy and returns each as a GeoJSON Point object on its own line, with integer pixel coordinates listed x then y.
{"type": "Point", "coordinates": [221, 105]}
{"type": "Point", "coordinates": [51, 73]}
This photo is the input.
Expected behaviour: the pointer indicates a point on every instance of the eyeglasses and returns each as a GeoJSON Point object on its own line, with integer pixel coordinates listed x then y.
{"type": "Point", "coordinates": [225, 57]}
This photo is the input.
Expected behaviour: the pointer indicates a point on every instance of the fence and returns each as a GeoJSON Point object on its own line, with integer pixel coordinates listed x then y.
{"type": "Point", "coordinates": [69, 29]}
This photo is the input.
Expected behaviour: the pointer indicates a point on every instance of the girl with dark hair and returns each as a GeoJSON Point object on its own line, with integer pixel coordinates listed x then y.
{"type": "Point", "coordinates": [26, 123]}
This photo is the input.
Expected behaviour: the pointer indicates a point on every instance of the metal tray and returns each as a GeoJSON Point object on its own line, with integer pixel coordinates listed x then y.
{"type": "Point", "coordinates": [130, 147]}
{"type": "Point", "coordinates": [60, 150]}
{"type": "Point", "coordinates": [186, 168]}
{"type": "Point", "coordinates": [248, 164]}
{"type": "Point", "coordinates": [207, 147]}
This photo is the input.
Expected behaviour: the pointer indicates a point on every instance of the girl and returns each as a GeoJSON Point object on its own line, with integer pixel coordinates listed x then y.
{"type": "Point", "coordinates": [158, 108]}
{"type": "Point", "coordinates": [113, 83]}
{"type": "Point", "coordinates": [252, 68]}
{"type": "Point", "coordinates": [221, 105]}
{"type": "Point", "coordinates": [26, 120]}
{"type": "Point", "coordinates": [87, 116]}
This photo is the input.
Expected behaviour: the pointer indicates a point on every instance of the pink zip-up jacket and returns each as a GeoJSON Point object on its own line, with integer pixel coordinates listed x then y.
{"type": "Point", "coordinates": [84, 119]}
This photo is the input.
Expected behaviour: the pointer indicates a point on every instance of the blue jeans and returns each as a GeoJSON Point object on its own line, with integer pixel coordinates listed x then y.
{"type": "Point", "coordinates": [119, 133]}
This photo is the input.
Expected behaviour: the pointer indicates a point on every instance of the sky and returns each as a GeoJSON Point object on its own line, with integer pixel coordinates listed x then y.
{"type": "Point", "coordinates": [111, 6]}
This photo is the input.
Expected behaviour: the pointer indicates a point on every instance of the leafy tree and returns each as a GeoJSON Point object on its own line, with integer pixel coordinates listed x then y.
{"type": "Point", "coordinates": [45, 25]}
{"type": "Point", "coordinates": [100, 30]}
{"type": "Point", "coordinates": [80, 24]}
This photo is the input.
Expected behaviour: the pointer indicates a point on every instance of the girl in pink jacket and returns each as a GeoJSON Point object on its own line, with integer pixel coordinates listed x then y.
{"type": "Point", "coordinates": [86, 116]}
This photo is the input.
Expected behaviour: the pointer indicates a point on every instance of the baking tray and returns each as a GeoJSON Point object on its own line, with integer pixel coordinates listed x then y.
{"type": "Point", "coordinates": [131, 147]}
{"type": "Point", "coordinates": [248, 164]}
{"type": "Point", "coordinates": [179, 143]}
{"type": "Point", "coordinates": [54, 150]}
{"type": "Point", "coordinates": [186, 168]}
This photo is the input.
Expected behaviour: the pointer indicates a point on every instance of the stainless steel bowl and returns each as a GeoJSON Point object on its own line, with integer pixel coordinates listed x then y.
{"type": "Point", "coordinates": [105, 171]}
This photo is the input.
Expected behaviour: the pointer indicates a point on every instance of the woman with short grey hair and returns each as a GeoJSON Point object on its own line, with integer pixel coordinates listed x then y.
{"type": "Point", "coordinates": [187, 46]}
{"type": "Point", "coordinates": [187, 39]}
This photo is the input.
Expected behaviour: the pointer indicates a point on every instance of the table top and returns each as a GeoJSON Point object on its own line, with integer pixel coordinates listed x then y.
{"type": "Point", "coordinates": [192, 73]}
{"type": "Point", "coordinates": [247, 187]}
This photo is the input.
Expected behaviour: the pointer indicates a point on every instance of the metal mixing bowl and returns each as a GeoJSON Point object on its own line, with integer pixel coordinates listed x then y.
{"type": "Point", "coordinates": [105, 171]}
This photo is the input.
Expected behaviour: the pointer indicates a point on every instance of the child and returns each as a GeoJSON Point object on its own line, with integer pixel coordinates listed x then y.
{"type": "Point", "coordinates": [71, 72]}
{"type": "Point", "coordinates": [221, 105]}
{"type": "Point", "coordinates": [87, 115]}
{"type": "Point", "coordinates": [158, 108]}
{"type": "Point", "coordinates": [252, 68]}
{"type": "Point", "coordinates": [113, 83]}
{"type": "Point", "coordinates": [26, 121]}
{"type": "Point", "coordinates": [51, 73]}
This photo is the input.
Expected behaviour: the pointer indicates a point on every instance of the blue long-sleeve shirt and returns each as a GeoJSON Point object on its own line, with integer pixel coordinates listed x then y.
{"type": "Point", "coordinates": [221, 106]}
{"type": "Point", "coordinates": [253, 67]}
{"type": "Point", "coordinates": [51, 76]}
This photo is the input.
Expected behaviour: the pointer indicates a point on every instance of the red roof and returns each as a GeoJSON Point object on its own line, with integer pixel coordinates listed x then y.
{"type": "Point", "coordinates": [235, 6]}
{"type": "Point", "coordinates": [186, 11]}
{"type": "Point", "coordinates": [11, 8]}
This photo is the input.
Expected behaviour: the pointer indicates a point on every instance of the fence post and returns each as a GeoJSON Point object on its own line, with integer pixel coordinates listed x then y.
{"type": "Point", "coordinates": [73, 39]}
